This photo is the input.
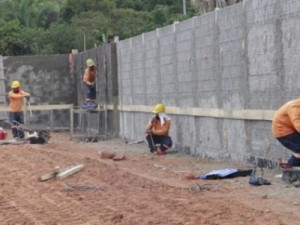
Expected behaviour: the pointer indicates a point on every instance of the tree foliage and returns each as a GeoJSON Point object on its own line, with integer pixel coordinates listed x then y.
{"type": "Point", "coordinates": [57, 26]}
{"type": "Point", "coordinates": [203, 6]}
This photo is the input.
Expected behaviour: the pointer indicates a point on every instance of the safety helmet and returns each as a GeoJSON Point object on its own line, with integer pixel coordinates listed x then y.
{"type": "Point", "coordinates": [90, 62]}
{"type": "Point", "coordinates": [15, 84]}
{"type": "Point", "coordinates": [158, 108]}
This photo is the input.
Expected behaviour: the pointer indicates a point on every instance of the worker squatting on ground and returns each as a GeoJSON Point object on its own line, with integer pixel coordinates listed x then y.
{"type": "Point", "coordinates": [286, 129]}
{"type": "Point", "coordinates": [16, 114]}
{"type": "Point", "coordinates": [89, 78]}
{"type": "Point", "coordinates": [157, 131]}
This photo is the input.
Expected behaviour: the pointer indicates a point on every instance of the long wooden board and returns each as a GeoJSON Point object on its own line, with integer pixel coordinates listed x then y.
{"type": "Point", "coordinates": [49, 175]}
{"type": "Point", "coordinates": [12, 142]}
{"type": "Point", "coordinates": [63, 174]}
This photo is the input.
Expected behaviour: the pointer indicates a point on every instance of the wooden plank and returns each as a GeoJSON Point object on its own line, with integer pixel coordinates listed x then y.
{"type": "Point", "coordinates": [42, 107]}
{"type": "Point", "coordinates": [12, 142]}
{"type": "Point", "coordinates": [49, 175]}
{"type": "Point", "coordinates": [66, 173]}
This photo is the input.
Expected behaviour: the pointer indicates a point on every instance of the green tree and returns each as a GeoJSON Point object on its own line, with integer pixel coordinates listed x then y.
{"type": "Point", "coordinates": [93, 25]}
{"type": "Point", "coordinates": [22, 10]}
{"type": "Point", "coordinates": [30, 13]}
{"type": "Point", "coordinates": [58, 39]}
{"type": "Point", "coordinates": [203, 6]}
{"type": "Point", "coordinates": [80, 6]}
{"type": "Point", "coordinates": [127, 22]}
{"type": "Point", "coordinates": [57, 26]}
{"type": "Point", "coordinates": [15, 39]}
{"type": "Point", "coordinates": [47, 14]}
{"type": "Point", "coordinates": [136, 5]}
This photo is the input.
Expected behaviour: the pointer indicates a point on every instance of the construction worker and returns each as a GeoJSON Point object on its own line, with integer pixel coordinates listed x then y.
{"type": "Point", "coordinates": [16, 114]}
{"type": "Point", "coordinates": [286, 129]}
{"type": "Point", "coordinates": [89, 78]}
{"type": "Point", "coordinates": [157, 131]}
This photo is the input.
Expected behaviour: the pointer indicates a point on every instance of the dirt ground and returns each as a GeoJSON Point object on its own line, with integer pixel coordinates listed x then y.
{"type": "Point", "coordinates": [143, 189]}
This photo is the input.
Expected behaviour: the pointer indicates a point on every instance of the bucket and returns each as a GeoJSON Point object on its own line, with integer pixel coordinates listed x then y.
{"type": "Point", "coordinates": [2, 134]}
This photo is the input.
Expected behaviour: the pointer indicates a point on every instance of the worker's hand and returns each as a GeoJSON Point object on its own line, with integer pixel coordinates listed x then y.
{"type": "Point", "coordinates": [149, 131]}
{"type": "Point", "coordinates": [27, 98]}
{"type": "Point", "coordinates": [153, 119]}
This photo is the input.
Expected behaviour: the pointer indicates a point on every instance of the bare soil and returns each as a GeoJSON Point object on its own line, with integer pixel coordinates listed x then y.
{"type": "Point", "coordinates": [142, 189]}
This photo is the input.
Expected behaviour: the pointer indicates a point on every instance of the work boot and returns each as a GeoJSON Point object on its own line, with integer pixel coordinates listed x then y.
{"type": "Point", "coordinates": [20, 133]}
{"type": "Point", "coordinates": [160, 152]}
{"type": "Point", "coordinates": [293, 161]}
{"type": "Point", "coordinates": [298, 181]}
{"type": "Point", "coordinates": [289, 176]}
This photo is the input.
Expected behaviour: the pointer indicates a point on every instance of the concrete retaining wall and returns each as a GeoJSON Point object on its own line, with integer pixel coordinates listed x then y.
{"type": "Point", "coordinates": [240, 60]}
{"type": "Point", "coordinates": [49, 80]}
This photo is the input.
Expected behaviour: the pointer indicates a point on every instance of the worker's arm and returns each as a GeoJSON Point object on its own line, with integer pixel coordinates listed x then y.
{"type": "Point", "coordinates": [150, 126]}
{"type": "Point", "coordinates": [164, 129]}
{"type": "Point", "coordinates": [21, 94]}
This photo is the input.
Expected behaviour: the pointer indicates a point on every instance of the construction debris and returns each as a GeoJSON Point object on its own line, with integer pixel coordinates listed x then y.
{"type": "Point", "coordinates": [49, 175]}
{"type": "Point", "coordinates": [61, 173]}
{"type": "Point", "coordinates": [69, 171]}
{"type": "Point", "coordinates": [191, 176]}
{"type": "Point", "coordinates": [112, 155]}
{"type": "Point", "coordinates": [13, 142]}
{"type": "Point", "coordinates": [199, 188]}
{"type": "Point", "coordinates": [118, 157]}
{"type": "Point", "coordinates": [88, 187]}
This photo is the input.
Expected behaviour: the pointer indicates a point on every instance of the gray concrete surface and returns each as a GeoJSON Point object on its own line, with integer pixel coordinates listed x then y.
{"type": "Point", "coordinates": [49, 81]}
{"type": "Point", "coordinates": [243, 57]}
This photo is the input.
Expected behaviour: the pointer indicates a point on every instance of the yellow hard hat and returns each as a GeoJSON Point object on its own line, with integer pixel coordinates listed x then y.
{"type": "Point", "coordinates": [90, 62]}
{"type": "Point", "coordinates": [158, 108]}
{"type": "Point", "coordinates": [15, 84]}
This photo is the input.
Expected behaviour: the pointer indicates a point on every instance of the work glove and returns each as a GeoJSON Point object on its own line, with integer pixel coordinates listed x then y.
{"type": "Point", "coordinates": [27, 98]}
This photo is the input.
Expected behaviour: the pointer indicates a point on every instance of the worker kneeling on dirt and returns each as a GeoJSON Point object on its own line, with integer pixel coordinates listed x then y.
{"type": "Point", "coordinates": [157, 131]}
{"type": "Point", "coordinates": [16, 115]}
{"type": "Point", "coordinates": [286, 129]}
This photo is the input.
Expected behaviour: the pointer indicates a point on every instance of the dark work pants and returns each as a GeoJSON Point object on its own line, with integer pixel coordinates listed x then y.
{"type": "Point", "coordinates": [15, 118]}
{"type": "Point", "coordinates": [164, 142]}
{"type": "Point", "coordinates": [90, 91]}
{"type": "Point", "coordinates": [292, 142]}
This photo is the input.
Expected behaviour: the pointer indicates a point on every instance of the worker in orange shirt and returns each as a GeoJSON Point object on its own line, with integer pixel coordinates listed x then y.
{"type": "Point", "coordinates": [89, 79]}
{"type": "Point", "coordinates": [157, 131]}
{"type": "Point", "coordinates": [16, 114]}
{"type": "Point", "coordinates": [286, 129]}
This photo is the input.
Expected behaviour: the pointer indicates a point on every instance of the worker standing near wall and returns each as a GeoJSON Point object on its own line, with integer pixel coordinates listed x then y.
{"type": "Point", "coordinates": [157, 131]}
{"type": "Point", "coordinates": [286, 129]}
{"type": "Point", "coordinates": [16, 114]}
{"type": "Point", "coordinates": [89, 83]}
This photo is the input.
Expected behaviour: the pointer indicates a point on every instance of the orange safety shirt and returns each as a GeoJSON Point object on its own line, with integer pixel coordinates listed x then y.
{"type": "Point", "coordinates": [159, 129]}
{"type": "Point", "coordinates": [287, 119]}
{"type": "Point", "coordinates": [89, 75]}
{"type": "Point", "coordinates": [16, 101]}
